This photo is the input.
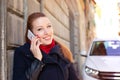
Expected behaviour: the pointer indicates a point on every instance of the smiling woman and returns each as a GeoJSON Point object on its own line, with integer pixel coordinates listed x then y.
{"type": "Point", "coordinates": [42, 55]}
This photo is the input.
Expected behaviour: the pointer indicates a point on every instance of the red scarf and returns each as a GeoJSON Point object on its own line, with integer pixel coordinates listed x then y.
{"type": "Point", "coordinates": [47, 48]}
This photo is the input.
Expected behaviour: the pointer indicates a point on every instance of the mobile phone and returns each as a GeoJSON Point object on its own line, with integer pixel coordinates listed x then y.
{"type": "Point", "coordinates": [30, 35]}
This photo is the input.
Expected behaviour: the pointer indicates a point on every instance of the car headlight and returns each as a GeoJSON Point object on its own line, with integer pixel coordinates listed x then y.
{"type": "Point", "coordinates": [92, 72]}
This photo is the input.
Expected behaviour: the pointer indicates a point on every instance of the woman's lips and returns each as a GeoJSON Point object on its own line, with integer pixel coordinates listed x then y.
{"type": "Point", "coordinates": [47, 38]}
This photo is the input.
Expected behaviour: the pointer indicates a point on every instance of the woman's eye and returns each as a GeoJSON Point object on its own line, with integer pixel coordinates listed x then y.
{"type": "Point", "coordinates": [39, 29]}
{"type": "Point", "coordinates": [49, 26]}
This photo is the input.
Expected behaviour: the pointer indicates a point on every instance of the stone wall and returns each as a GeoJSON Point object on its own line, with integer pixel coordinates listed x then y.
{"type": "Point", "coordinates": [58, 12]}
{"type": "Point", "coordinates": [68, 20]}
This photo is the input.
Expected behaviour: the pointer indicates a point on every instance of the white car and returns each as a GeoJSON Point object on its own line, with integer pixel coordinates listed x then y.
{"type": "Point", "coordinates": [103, 60]}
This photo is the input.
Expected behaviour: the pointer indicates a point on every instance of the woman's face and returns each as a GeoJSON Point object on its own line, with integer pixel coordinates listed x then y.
{"type": "Point", "coordinates": [42, 28]}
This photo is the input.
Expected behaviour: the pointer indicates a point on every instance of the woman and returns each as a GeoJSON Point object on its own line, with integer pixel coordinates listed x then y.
{"type": "Point", "coordinates": [42, 58]}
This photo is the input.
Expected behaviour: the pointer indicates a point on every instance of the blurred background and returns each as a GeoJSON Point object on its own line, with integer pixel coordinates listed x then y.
{"type": "Point", "coordinates": [76, 23]}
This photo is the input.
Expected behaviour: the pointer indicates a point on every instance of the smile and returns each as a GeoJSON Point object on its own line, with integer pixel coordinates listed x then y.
{"type": "Point", "coordinates": [47, 38]}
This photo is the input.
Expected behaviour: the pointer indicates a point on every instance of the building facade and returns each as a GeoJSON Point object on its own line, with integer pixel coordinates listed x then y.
{"type": "Point", "coordinates": [69, 22]}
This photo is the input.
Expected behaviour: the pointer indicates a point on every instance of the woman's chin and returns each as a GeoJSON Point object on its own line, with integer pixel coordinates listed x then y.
{"type": "Point", "coordinates": [47, 43]}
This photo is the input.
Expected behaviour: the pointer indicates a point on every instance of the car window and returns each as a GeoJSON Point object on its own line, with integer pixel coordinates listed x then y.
{"type": "Point", "coordinates": [106, 48]}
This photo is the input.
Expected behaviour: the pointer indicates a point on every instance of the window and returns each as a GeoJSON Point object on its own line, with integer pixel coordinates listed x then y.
{"type": "Point", "coordinates": [108, 48]}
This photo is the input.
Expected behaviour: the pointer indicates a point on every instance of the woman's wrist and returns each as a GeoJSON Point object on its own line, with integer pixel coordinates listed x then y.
{"type": "Point", "coordinates": [39, 57]}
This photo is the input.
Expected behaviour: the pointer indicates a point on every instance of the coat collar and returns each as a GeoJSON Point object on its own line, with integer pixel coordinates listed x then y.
{"type": "Point", "coordinates": [26, 50]}
{"type": "Point", "coordinates": [55, 51]}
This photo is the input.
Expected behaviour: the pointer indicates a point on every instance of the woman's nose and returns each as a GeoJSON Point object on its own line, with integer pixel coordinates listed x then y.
{"type": "Point", "coordinates": [46, 31]}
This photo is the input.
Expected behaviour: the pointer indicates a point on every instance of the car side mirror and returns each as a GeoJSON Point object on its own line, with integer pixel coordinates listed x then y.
{"type": "Point", "coordinates": [83, 53]}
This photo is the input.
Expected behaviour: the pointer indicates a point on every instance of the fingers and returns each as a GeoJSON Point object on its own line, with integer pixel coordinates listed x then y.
{"type": "Point", "coordinates": [38, 43]}
{"type": "Point", "coordinates": [35, 43]}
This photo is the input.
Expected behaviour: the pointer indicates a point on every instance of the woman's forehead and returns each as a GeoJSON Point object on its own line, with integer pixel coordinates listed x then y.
{"type": "Point", "coordinates": [41, 21]}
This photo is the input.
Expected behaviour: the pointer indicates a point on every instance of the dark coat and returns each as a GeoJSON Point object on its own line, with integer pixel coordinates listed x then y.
{"type": "Point", "coordinates": [52, 67]}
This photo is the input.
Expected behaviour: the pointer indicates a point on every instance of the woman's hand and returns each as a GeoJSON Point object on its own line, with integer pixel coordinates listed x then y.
{"type": "Point", "coordinates": [35, 43]}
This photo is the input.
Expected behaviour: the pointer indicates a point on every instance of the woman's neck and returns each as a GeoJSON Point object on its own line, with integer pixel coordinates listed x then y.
{"type": "Point", "coordinates": [47, 48]}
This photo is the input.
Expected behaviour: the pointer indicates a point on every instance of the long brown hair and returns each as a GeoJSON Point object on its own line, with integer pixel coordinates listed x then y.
{"type": "Point", "coordinates": [65, 51]}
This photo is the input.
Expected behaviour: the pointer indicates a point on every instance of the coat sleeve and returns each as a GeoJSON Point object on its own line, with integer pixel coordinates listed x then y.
{"type": "Point", "coordinates": [34, 70]}
{"type": "Point", "coordinates": [72, 73]}
{"type": "Point", "coordinates": [21, 71]}
{"type": "Point", "coordinates": [19, 66]}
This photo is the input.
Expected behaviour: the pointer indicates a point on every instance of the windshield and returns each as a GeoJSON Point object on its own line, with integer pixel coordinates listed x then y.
{"type": "Point", "coordinates": [107, 48]}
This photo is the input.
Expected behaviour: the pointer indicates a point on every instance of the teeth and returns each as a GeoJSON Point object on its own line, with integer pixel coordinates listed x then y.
{"type": "Point", "coordinates": [47, 38]}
